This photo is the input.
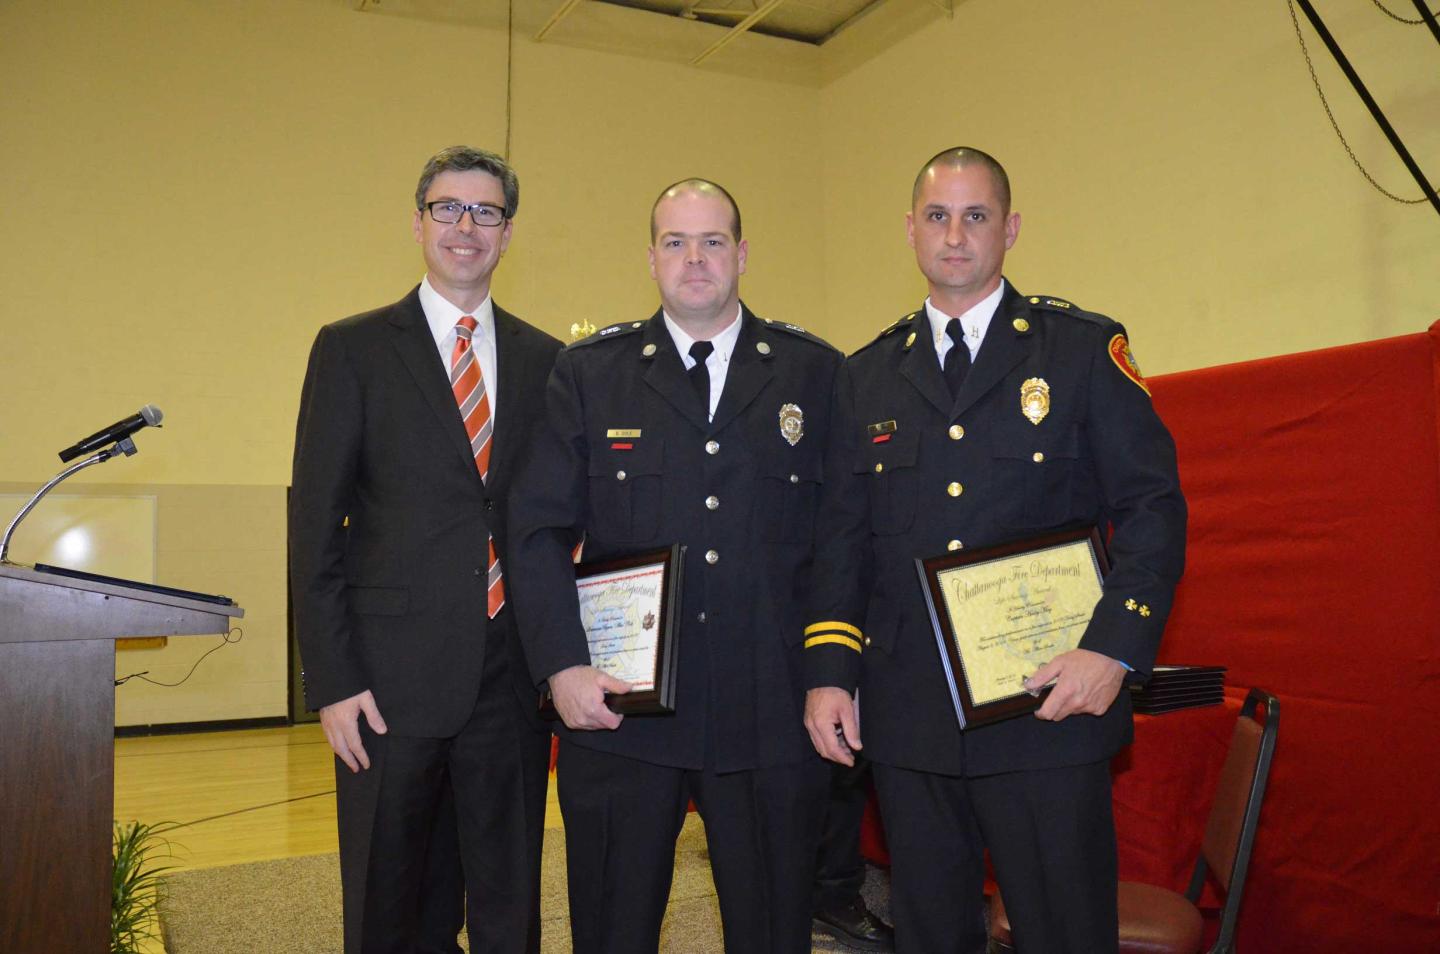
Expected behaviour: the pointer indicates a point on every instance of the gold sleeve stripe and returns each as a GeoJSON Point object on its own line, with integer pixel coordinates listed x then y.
{"type": "Point", "coordinates": [833, 626]}
{"type": "Point", "coordinates": [836, 638]}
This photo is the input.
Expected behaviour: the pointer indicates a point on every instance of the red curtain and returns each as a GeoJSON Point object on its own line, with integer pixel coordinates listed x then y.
{"type": "Point", "coordinates": [1314, 572]}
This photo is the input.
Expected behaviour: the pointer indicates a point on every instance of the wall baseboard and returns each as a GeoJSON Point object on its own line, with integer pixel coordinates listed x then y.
{"type": "Point", "coordinates": [181, 728]}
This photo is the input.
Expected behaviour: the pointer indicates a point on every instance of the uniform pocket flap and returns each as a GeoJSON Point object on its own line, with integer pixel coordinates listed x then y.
{"type": "Point", "coordinates": [1061, 442]}
{"type": "Point", "coordinates": [896, 449]}
{"type": "Point", "coordinates": [630, 456]}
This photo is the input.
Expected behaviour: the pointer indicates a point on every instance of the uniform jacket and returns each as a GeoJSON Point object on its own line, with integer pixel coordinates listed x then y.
{"type": "Point", "coordinates": [739, 699]}
{"type": "Point", "coordinates": [972, 472]}
{"type": "Point", "coordinates": [394, 598]}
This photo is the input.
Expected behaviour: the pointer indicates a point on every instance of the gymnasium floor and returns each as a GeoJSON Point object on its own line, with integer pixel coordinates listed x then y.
{"type": "Point", "coordinates": [236, 797]}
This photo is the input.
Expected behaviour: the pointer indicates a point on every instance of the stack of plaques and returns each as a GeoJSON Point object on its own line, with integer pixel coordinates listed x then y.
{"type": "Point", "coordinates": [1180, 687]}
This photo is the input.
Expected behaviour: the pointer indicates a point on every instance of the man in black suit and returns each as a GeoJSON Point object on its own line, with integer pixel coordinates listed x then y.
{"type": "Point", "coordinates": [987, 416]}
{"type": "Point", "coordinates": [412, 422]}
{"type": "Point", "coordinates": [704, 426]}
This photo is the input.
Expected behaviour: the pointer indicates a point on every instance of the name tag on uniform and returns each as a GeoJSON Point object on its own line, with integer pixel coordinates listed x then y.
{"type": "Point", "coordinates": [880, 432]}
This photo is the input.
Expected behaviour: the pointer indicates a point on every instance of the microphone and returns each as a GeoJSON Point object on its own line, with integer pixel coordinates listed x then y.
{"type": "Point", "coordinates": [147, 416]}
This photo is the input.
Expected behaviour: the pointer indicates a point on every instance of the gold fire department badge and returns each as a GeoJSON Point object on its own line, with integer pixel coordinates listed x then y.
{"type": "Point", "coordinates": [1035, 399]}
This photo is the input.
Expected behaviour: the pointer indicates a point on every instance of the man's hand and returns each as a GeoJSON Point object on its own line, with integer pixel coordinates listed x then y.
{"type": "Point", "coordinates": [579, 694]}
{"type": "Point", "coordinates": [834, 723]}
{"type": "Point", "coordinates": [1085, 682]}
{"type": "Point", "coordinates": [340, 720]}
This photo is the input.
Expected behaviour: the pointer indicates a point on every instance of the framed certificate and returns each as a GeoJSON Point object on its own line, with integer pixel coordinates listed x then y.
{"type": "Point", "coordinates": [628, 606]}
{"type": "Point", "coordinates": [1001, 612]}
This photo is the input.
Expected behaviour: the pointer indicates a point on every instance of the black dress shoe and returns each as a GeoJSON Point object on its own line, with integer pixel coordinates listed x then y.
{"type": "Point", "coordinates": [852, 924]}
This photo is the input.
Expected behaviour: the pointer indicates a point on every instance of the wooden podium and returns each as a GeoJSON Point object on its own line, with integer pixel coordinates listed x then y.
{"type": "Point", "coordinates": [57, 754]}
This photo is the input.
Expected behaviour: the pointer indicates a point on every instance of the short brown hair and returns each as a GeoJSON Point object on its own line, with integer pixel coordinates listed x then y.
{"type": "Point", "coordinates": [958, 157]}
{"type": "Point", "coordinates": [702, 186]}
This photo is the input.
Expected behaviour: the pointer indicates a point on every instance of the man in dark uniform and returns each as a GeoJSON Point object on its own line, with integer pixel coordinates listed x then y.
{"type": "Point", "coordinates": [704, 426]}
{"type": "Point", "coordinates": [840, 908]}
{"type": "Point", "coordinates": [412, 421]}
{"type": "Point", "coordinates": [935, 451]}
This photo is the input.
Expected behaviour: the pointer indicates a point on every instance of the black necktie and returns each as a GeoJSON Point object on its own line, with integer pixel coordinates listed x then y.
{"type": "Point", "coordinates": [700, 375]}
{"type": "Point", "coordinates": [957, 359]}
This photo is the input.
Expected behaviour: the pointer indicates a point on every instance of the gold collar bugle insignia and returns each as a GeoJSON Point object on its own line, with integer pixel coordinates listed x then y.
{"type": "Point", "coordinates": [1035, 399]}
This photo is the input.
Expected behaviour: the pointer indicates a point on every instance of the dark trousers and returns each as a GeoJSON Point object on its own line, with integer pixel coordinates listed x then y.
{"type": "Point", "coordinates": [1051, 836]}
{"type": "Point", "coordinates": [839, 867]}
{"type": "Point", "coordinates": [494, 771]}
{"type": "Point", "coordinates": [622, 817]}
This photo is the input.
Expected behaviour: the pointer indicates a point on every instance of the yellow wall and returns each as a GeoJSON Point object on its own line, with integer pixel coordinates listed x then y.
{"type": "Point", "coordinates": [189, 188]}
{"type": "Point", "coordinates": [1172, 164]}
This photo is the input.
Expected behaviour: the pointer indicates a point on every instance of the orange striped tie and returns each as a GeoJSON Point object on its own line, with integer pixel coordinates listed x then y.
{"type": "Point", "coordinates": [468, 385]}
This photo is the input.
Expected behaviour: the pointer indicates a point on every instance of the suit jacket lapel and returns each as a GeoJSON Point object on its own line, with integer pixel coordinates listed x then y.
{"type": "Point", "coordinates": [666, 374]}
{"type": "Point", "coordinates": [511, 367]}
{"type": "Point", "coordinates": [416, 347]}
{"type": "Point", "coordinates": [921, 367]}
{"type": "Point", "coordinates": [750, 369]}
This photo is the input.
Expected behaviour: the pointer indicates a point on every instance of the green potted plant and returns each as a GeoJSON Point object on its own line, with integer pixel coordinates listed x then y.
{"type": "Point", "coordinates": [135, 886]}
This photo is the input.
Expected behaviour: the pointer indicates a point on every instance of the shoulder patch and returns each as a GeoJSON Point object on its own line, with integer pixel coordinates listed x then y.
{"type": "Point", "coordinates": [618, 330]}
{"type": "Point", "coordinates": [1125, 361]}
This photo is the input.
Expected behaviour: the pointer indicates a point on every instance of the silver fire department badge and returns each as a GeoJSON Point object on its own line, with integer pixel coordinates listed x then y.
{"type": "Point", "coordinates": [792, 423]}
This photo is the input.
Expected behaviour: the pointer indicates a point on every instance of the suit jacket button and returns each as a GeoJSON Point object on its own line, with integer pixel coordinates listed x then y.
{"type": "Point", "coordinates": [712, 447]}
{"type": "Point", "coordinates": [489, 504]}
{"type": "Point", "coordinates": [712, 557]}
{"type": "Point", "coordinates": [700, 616]}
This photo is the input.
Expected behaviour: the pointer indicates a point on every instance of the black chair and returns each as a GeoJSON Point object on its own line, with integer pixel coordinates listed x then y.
{"type": "Point", "coordinates": [1154, 920]}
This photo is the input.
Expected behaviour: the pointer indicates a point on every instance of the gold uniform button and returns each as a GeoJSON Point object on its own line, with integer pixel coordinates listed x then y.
{"type": "Point", "coordinates": [619, 475]}
{"type": "Point", "coordinates": [955, 489]}
{"type": "Point", "coordinates": [711, 557]}
{"type": "Point", "coordinates": [954, 545]}
{"type": "Point", "coordinates": [879, 467]}
{"type": "Point", "coordinates": [648, 351]}
{"type": "Point", "coordinates": [867, 640]}
{"type": "Point", "coordinates": [762, 347]}
{"type": "Point", "coordinates": [1034, 301]}
{"type": "Point", "coordinates": [956, 432]}
{"type": "Point", "coordinates": [1038, 457]}
{"type": "Point", "coordinates": [712, 447]}
{"type": "Point", "coordinates": [1021, 325]}
{"type": "Point", "coordinates": [712, 503]}
{"type": "Point", "coordinates": [794, 478]}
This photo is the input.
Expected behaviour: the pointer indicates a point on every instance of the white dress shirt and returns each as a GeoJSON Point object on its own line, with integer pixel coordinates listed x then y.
{"type": "Point", "coordinates": [442, 317]}
{"type": "Point", "coordinates": [974, 323]}
{"type": "Point", "coordinates": [718, 363]}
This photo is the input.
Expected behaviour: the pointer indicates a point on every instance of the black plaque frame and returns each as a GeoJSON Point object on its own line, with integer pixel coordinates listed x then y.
{"type": "Point", "coordinates": [966, 710]}
{"type": "Point", "coordinates": [661, 699]}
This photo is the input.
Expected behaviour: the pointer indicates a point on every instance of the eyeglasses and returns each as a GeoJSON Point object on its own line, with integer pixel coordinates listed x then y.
{"type": "Point", "coordinates": [482, 214]}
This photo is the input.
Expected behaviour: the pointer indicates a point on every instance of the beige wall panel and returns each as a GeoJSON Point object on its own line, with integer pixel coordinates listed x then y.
{"type": "Point", "coordinates": [193, 188]}
{"type": "Point", "coordinates": [208, 538]}
{"type": "Point", "coordinates": [1172, 163]}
